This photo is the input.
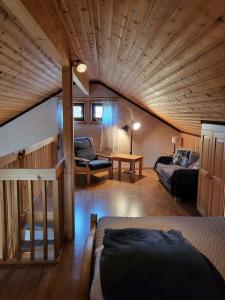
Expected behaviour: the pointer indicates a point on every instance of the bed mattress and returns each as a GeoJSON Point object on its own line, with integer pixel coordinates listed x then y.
{"type": "Point", "coordinates": [207, 234]}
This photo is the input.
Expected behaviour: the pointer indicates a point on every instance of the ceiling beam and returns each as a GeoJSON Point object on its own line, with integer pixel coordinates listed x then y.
{"type": "Point", "coordinates": [55, 43]}
{"type": "Point", "coordinates": [22, 14]}
{"type": "Point", "coordinates": [81, 81]}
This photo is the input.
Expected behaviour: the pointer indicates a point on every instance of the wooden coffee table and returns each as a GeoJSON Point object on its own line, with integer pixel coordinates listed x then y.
{"type": "Point", "coordinates": [132, 159]}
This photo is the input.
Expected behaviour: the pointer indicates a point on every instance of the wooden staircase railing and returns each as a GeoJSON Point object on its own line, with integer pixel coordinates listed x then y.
{"type": "Point", "coordinates": [35, 234]}
{"type": "Point", "coordinates": [31, 204]}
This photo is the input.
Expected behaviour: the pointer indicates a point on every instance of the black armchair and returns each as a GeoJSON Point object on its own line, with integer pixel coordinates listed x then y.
{"type": "Point", "coordinates": [87, 160]}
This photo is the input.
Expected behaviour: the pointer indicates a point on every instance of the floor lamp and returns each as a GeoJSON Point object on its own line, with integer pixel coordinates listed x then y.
{"type": "Point", "coordinates": [133, 127]}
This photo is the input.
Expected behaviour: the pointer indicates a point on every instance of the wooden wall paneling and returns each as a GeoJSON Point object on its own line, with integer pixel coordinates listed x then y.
{"type": "Point", "coordinates": [190, 142]}
{"type": "Point", "coordinates": [204, 183]}
{"type": "Point", "coordinates": [217, 205]}
{"type": "Point", "coordinates": [68, 147]}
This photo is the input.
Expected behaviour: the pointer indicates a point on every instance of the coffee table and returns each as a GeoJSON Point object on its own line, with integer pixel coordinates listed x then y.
{"type": "Point", "coordinates": [131, 158]}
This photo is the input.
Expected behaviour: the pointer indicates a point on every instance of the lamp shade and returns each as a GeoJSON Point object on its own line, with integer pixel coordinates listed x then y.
{"type": "Point", "coordinates": [125, 128]}
{"type": "Point", "coordinates": [175, 139]}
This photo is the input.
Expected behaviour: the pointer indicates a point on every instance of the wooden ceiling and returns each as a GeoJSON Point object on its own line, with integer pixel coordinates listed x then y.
{"type": "Point", "coordinates": [166, 55]}
{"type": "Point", "coordinates": [27, 74]}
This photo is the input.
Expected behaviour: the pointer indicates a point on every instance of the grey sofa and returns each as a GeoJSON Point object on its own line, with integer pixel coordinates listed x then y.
{"type": "Point", "coordinates": [179, 173]}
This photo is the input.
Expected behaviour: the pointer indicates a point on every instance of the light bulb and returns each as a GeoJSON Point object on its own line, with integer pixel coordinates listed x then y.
{"type": "Point", "coordinates": [81, 67]}
{"type": "Point", "coordinates": [136, 125]}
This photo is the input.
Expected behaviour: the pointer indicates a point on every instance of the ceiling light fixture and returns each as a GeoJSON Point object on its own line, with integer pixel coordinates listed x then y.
{"type": "Point", "coordinates": [80, 66]}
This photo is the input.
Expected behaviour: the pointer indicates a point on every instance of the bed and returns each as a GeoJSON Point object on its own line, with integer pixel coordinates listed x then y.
{"type": "Point", "coordinates": [207, 234]}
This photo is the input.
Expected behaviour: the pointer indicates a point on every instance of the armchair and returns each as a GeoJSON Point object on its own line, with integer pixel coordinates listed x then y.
{"type": "Point", "coordinates": [87, 160]}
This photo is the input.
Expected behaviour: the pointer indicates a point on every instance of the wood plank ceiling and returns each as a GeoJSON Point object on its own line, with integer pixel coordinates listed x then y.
{"type": "Point", "coordinates": [166, 55]}
{"type": "Point", "coordinates": [27, 74]}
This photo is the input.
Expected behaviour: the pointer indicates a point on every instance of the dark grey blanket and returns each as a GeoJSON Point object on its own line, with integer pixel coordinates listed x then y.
{"type": "Point", "coordinates": [156, 265]}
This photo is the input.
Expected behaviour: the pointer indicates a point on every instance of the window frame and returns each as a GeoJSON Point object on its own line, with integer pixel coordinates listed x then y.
{"type": "Point", "coordinates": [83, 105]}
{"type": "Point", "coordinates": [92, 104]}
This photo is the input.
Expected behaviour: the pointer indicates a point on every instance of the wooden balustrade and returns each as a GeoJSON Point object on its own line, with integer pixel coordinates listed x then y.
{"type": "Point", "coordinates": [35, 234]}
{"type": "Point", "coordinates": [31, 204]}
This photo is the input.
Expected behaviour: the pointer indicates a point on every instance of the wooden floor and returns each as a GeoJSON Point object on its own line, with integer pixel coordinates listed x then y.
{"type": "Point", "coordinates": [144, 197]}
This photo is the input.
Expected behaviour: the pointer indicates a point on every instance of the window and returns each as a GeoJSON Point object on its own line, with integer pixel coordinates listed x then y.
{"type": "Point", "coordinates": [96, 112]}
{"type": "Point", "coordinates": [78, 111]}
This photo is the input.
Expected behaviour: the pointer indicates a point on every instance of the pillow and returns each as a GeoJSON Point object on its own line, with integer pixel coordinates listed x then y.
{"type": "Point", "coordinates": [181, 157]}
{"type": "Point", "coordinates": [195, 165]}
{"type": "Point", "coordinates": [184, 162]}
{"type": "Point", "coordinates": [83, 144]}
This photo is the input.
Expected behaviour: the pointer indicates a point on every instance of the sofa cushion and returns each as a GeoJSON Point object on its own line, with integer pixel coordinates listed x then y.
{"type": "Point", "coordinates": [96, 164]}
{"type": "Point", "coordinates": [195, 165]}
{"type": "Point", "coordinates": [159, 167]}
{"type": "Point", "coordinates": [168, 170]}
{"type": "Point", "coordinates": [194, 157]}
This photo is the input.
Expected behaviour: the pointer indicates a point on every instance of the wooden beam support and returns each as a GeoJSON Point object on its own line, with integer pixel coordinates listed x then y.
{"type": "Point", "coordinates": [57, 45]}
{"type": "Point", "coordinates": [22, 14]}
{"type": "Point", "coordinates": [68, 145]}
{"type": "Point", "coordinates": [81, 81]}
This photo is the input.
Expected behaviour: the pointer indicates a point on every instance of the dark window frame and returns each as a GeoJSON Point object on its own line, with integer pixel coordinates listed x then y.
{"type": "Point", "coordinates": [82, 119]}
{"type": "Point", "coordinates": [93, 105]}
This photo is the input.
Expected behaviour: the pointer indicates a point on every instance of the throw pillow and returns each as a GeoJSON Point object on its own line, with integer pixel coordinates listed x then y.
{"type": "Point", "coordinates": [195, 165]}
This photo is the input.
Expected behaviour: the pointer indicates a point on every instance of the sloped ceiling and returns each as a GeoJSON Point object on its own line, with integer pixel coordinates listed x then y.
{"type": "Point", "coordinates": [27, 74]}
{"type": "Point", "coordinates": [166, 55]}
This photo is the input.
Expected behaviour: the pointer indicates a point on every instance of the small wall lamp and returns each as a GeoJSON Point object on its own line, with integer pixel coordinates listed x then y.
{"type": "Point", "coordinates": [80, 66]}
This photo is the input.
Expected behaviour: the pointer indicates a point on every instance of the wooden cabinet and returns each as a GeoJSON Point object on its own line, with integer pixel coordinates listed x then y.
{"type": "Point", "coordinates": [211, 189]}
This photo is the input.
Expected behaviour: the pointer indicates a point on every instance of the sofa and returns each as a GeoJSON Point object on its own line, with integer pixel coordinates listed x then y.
{"type": "Point", "coordinates": [179, 173]}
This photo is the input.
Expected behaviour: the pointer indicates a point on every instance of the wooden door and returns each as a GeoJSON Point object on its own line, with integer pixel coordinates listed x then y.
{"type": "Point", "coordinates": [204, 184]}
{"type": "Point", "coordinates": [217, 175]}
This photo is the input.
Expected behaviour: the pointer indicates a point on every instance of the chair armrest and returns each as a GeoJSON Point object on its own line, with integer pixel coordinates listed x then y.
{"type": "Point", "coordinates": [103, 155]}
{"type": "Point", "coordinates": [82, 159]}
{"type": "Point", "coordinates": [163, 160]}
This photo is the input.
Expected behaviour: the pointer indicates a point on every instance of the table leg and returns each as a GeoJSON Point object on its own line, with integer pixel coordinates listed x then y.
{"type": "Point", "coordinates": [133, 169]}
{"type": "Point", "coordinates": [140, 166]}
{"type": "Point", "coordinates": [119, 169]}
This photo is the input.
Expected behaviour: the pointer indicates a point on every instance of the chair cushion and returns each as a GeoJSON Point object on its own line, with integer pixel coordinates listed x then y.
{"type": "Point", "coordinates": [99, 164]}
{"type": "Point", "coordinates": [88, 153]}
{"type": "Point", "coordinates": [83, 148]}
{"type": "Point", "coordinates": [96, 164]}
{"type": "Point", "coordinates": [82, 144]}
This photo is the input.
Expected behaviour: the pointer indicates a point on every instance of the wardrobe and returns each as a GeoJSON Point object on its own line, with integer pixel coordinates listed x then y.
{"type": "Point", "coordinates": [211, 187]}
